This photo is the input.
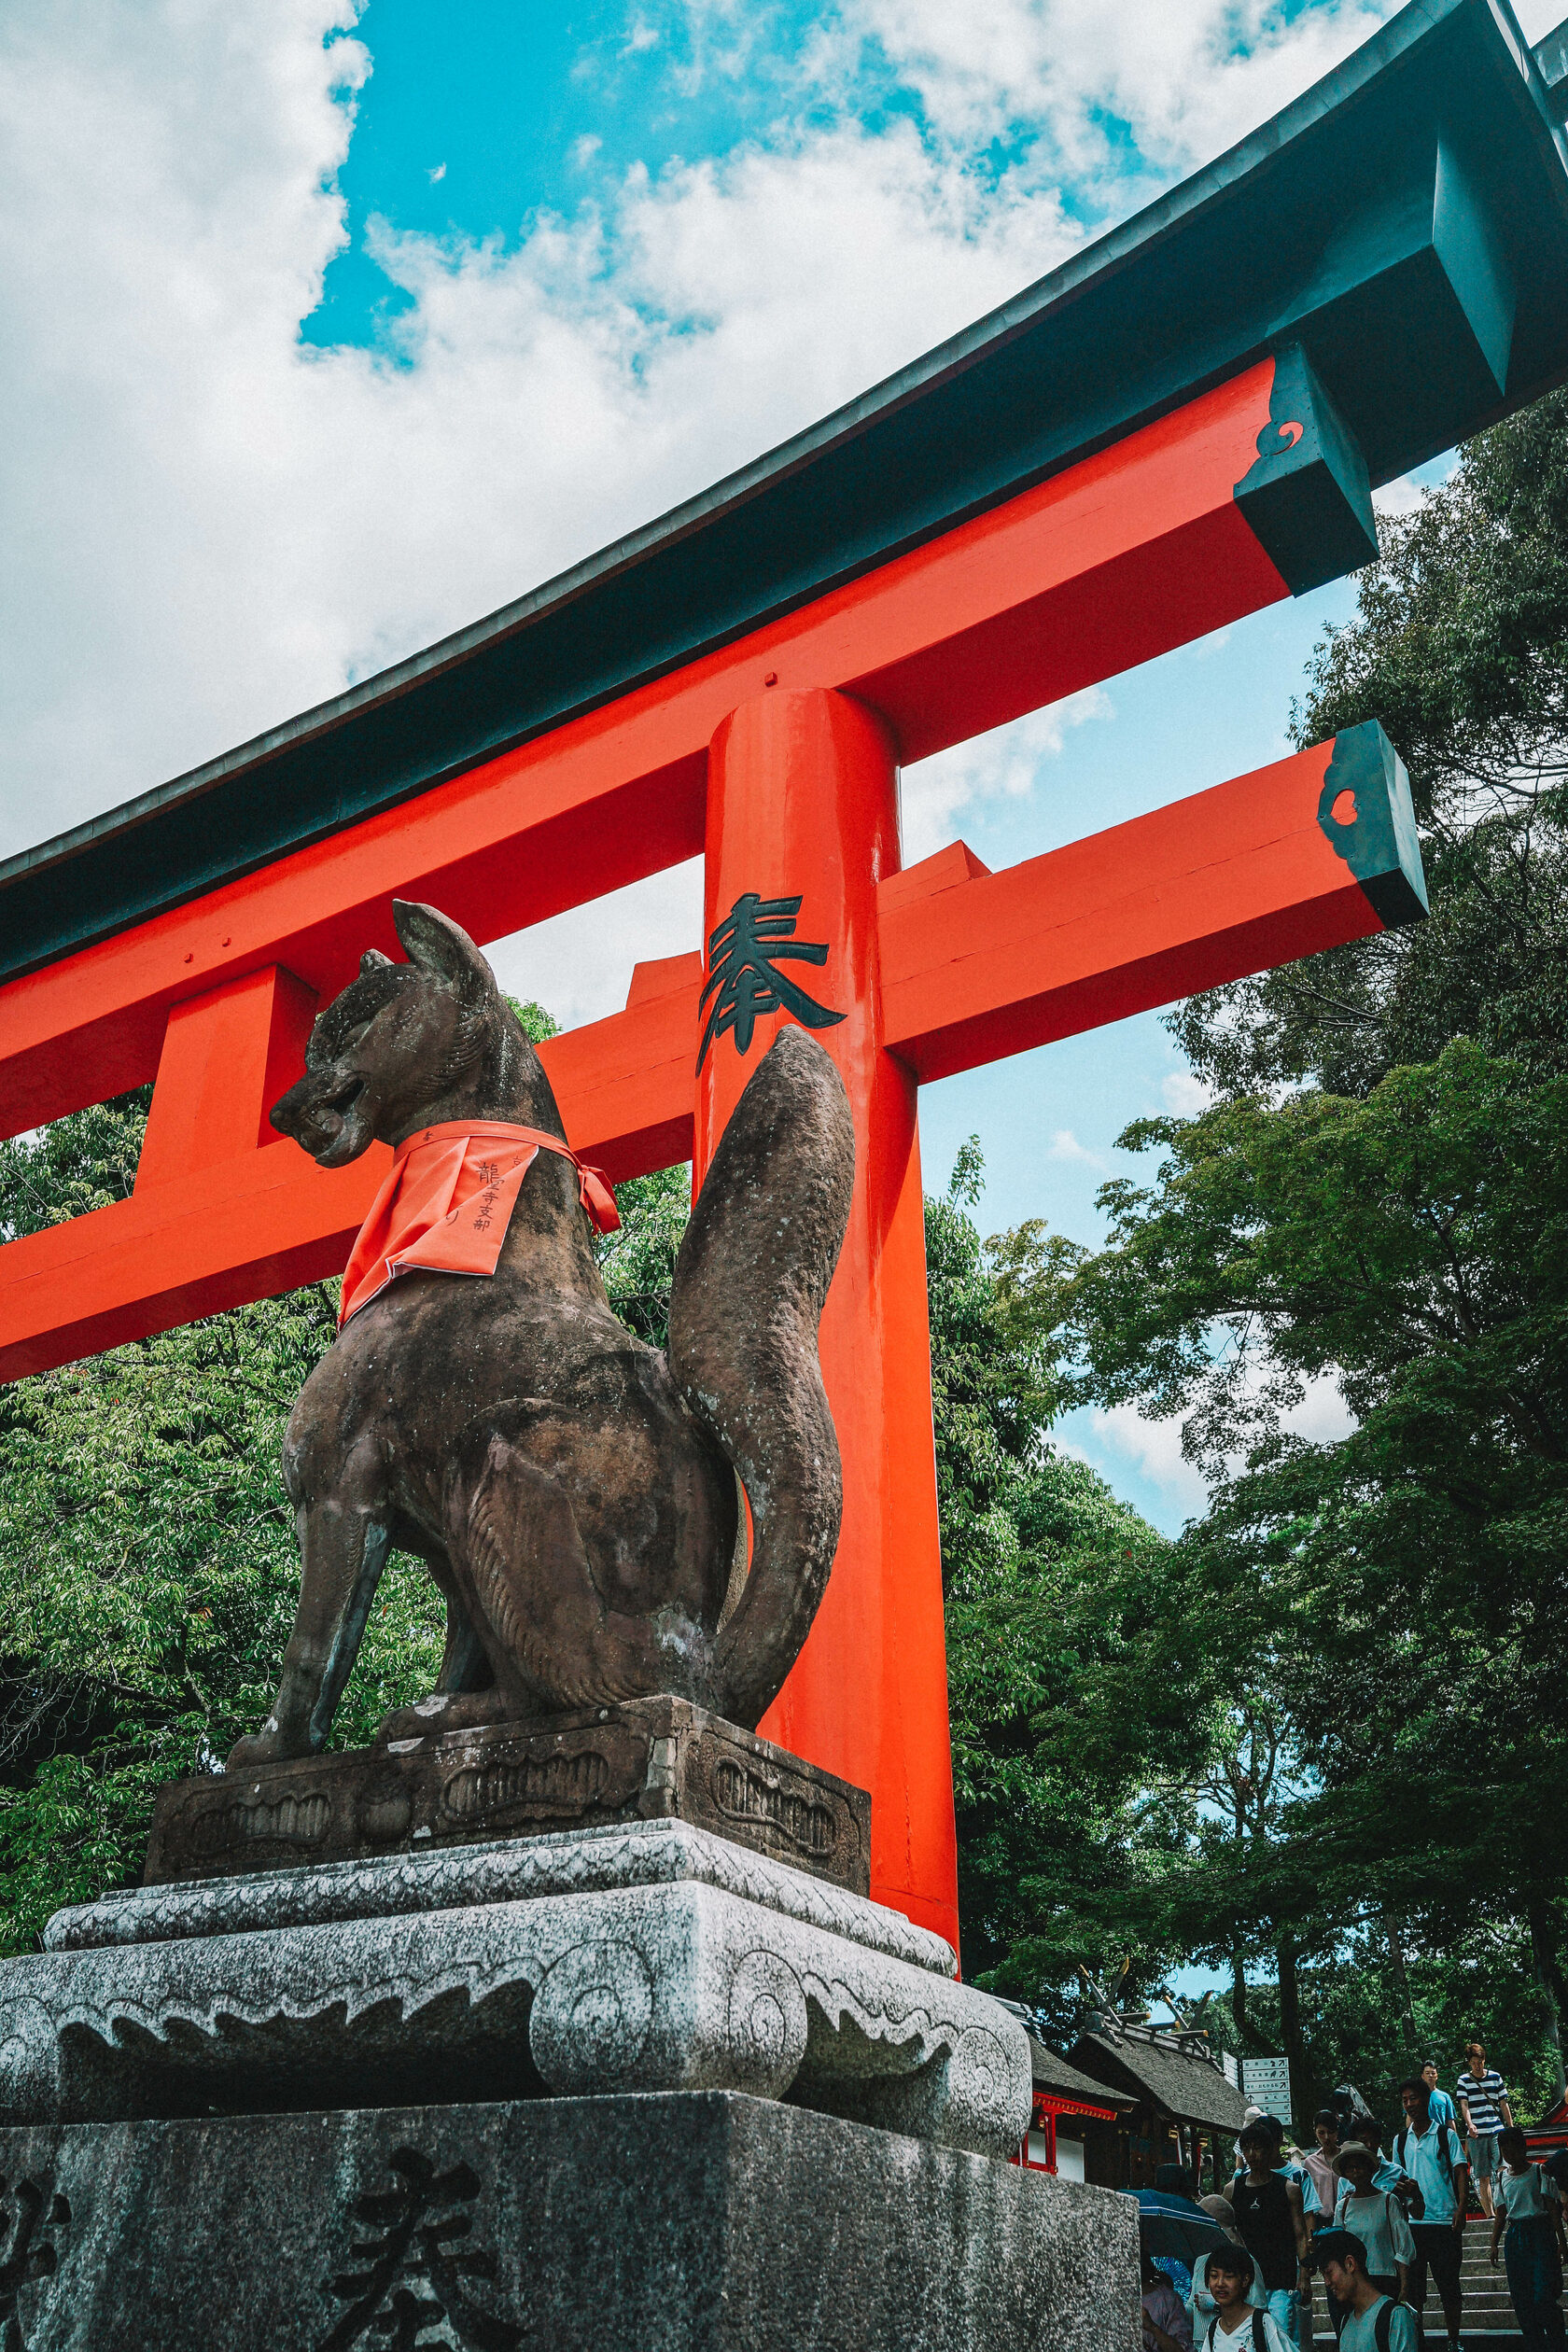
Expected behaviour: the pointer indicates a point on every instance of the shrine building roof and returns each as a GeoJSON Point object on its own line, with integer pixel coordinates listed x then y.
{"type": "Point", "coordinates": [1183, 2082]}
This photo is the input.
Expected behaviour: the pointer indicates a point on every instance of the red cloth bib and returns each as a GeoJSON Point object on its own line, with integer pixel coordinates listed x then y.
{"type": "Point", "coordinates": [448, 1202]}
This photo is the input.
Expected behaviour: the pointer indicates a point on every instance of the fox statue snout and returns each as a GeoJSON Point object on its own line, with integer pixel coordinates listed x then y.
{"type": "Point", "coordinates": [572, 1491]}
{"type": "Point", "coordinates": [403, 1040]}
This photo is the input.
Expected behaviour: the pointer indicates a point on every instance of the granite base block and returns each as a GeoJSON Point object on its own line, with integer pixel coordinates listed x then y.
{"type": "Point", "coordinates": [703, 2221]}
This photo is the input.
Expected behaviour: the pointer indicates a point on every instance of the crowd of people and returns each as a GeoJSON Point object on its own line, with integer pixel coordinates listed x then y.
{"type": "Point", "coordinates": [1375, 2223]}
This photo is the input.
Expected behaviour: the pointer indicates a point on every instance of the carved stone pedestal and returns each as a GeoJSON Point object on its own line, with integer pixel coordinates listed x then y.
{"type": "Point", "coordinates": [649, 1759]}
{"type": "Point", "coordinates": [626, 2085]}
{"type": "Point", "coordinates": [647, 1957]}
{"type": "Point", "coordinates": [672, 2222]}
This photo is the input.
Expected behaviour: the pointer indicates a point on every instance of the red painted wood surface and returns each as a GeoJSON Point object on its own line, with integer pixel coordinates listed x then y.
{"type": "Point", "coordinates": [803, 800]}
{"type": "Point", "coordinates": [1139, 909]}
{"type": "Point", "coordinates": [1136, 550]}
{"type": "Point", "coordinates": [977, 966]}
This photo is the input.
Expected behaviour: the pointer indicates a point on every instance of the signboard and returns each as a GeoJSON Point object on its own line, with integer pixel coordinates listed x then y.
{"type": "Point", "coordinates": [1232, 2070]}
{"type": "Point", "coordinates": [1266, 2083]}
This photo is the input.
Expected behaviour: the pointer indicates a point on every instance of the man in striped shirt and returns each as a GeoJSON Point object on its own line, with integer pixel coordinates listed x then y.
{"type": "Point", "coordinates": [1484, 2111]}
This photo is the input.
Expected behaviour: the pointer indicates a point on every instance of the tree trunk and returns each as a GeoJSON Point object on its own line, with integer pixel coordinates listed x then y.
{"type": "Point", "coordinates": [1302, 2096]}
{"type": "Point", "coordinates": [1549, 1978]}
{"type": "Point", "coordinates": [1401, 1983]}
{"type": "Point", "coordinates": [1238, 1998]}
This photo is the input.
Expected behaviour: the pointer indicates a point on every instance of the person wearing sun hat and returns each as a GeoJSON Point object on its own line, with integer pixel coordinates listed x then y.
{"type": "Point", "coordinates": [1374, 2216]}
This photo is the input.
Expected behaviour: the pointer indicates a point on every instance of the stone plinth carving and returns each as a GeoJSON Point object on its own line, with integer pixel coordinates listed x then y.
{"type": "Point", "coordinates": [649, 1957]}
{"type": "Point", "coordinates": [650, 1759]}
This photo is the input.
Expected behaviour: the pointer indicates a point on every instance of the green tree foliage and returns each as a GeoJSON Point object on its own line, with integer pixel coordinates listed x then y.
{"type": "Point", "coordinates": [148, 1568]}
{"type": "Point", "coordinates": [1066, 1694]}
{"type": "Point", "coordinates": [149, 1571]}
{"type": "Point", "coordinates": [638, 1263]}
{"type": "Point", "coordinates": [1460, 648]}
{"type": "Point", "coordinates": [1351, 2003]}
{"type": "Point", "coordinates": [1377, 1198]}
{"type": "Point", "coordinates": [147, 1561]}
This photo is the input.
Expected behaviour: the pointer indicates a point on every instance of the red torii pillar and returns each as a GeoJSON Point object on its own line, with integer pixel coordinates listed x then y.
{"type": "Point", "coordinates": [802, 802]}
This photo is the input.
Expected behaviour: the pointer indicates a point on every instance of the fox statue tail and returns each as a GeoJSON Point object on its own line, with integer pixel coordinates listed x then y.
{"type": "Point", "coordinates": [750, 1285]}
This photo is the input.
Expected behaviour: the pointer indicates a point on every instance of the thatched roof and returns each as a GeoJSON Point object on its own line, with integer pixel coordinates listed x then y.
{"type": "Point", "coordinates": [1186, 2084]}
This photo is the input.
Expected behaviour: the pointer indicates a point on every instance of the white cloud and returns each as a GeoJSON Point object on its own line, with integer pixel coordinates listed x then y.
{"type": "Point", "coordinates": [211, 525]}
{"type": "Point", "coordinates": [1185, 81]}
{"type": "Point", "coordinates": [1184, 1094]}
{"type": "Point", "coordinates": [1400, 497]}
{"type": "Point", "coordinates": [577, 964]}
{"type": "Point", "coordinates": [1064, 1145]}
{"type": "Point", "coordinates": [1322, 1416]}
{"type": "Point", "coordinates": [1153, 1448]}
{"type": "Point", "coordinates": [1003, 766]}
{"type": "Point", "coordinates": [436, 171]}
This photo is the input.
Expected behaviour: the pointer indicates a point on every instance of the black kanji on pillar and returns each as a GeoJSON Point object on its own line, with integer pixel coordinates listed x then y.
{"type": "Point", "coordinates": [743, 952]}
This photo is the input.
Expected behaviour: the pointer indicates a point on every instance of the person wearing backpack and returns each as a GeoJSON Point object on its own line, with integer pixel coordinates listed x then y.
{"type": "Point", "coordinates": [1271, 2217]}
{"type": "Point", "coordinates": [1530, 2209]}
{"type": "Point", "coordinates": [1200, 2303]}
{"type": "Point", "coordinates": [1373, 2322]}
{"type": "Point", "coordinates": [1376, 2216]}
{"type": "Point", "coordinates": [1238, 2325]}
{"type": "Point", "coordinates": [1431, 2154]}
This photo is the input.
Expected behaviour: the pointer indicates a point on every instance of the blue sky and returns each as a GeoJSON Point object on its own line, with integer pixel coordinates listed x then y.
{"type": "Point", "coordinates": [476, 124]}
{"type": "Point", "coordinates": [329, 330]}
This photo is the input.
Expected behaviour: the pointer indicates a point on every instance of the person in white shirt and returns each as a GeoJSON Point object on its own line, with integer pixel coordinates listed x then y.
{"type": "Point", "coordinates": [1200, 2303]}
{"type": "Point", "coordinates": [1530, 2209]}
{"type": "Point", "coordinates": [1238, 2325]}
{"type": "Point", "coordinates": [1377, 2218]}
{"type": "Point", "coordinates": [1373, 2323]}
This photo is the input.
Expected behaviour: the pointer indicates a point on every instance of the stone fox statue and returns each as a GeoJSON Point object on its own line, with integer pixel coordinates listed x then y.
{"type": "Point", "coordinates": [572, 1491]}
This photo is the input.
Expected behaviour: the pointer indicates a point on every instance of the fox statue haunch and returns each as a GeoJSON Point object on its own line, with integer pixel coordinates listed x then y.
{"type": "Point", "coordinates": [572, 1491]}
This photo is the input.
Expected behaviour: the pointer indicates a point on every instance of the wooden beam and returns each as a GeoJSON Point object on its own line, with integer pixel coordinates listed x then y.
{"type": "Point", "coordinates": [1137, 548]}
{"type": "Point", "coordinates": [1294, 857]}
{"type": "Point", "coordinates": [1253, 873]}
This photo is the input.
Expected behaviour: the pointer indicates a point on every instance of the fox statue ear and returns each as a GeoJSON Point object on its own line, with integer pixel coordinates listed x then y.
{"type": "Point", "coordinates": [374, 960]}
{"type": "Point", "coordinates": [441, 948]}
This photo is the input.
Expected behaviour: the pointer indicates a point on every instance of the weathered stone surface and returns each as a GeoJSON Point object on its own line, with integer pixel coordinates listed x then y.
{"type": "Point", "coordinates": [702, 2222]}
{"type": "Point", "coordinates": [571, 1862]}
{"type": "Point", "coordinates": [572, 1491]}
{"type": "Point", "coordinates": [652, 1759]}
{"type": "Point", "coordinates": [750, 1977]}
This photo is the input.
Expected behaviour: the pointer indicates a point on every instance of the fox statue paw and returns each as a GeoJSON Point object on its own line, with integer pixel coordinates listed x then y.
{"type": "Point", "coordinates": [265, 1746]}
{"type": "Point", "coordinates": [443, 1711]}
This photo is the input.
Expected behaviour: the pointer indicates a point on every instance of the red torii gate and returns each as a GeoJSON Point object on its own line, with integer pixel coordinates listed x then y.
{"type": "Point", "coordinates": [931, 592]}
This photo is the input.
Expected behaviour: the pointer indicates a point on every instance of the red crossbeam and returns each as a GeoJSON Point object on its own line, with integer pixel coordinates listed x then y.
{"type": "Point", "coordinates": [1139, 549]}
{"type": "Point", "coordinates": [973, 965]}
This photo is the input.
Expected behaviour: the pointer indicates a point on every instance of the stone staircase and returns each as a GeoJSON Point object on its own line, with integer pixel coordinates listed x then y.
{"type": "Point", "coordinates": [1489, 2324]}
